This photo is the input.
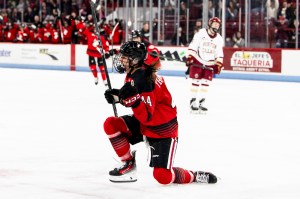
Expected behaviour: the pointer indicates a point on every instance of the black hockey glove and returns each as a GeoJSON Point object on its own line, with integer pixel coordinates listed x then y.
{"type": "Point", "coordinates": [112, 95]}
{"type": "Point", "coordinates": [129, 96]}
{"type": "Point", "coordinates": [113, 52]}
{"type": "Point", "coordinates": [106, 55]}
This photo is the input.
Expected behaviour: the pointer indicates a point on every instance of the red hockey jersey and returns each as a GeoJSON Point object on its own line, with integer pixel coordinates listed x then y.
{"type": "Point", "coordinates": [93, 44]}
{"type": "Point", "coordinates": [157, 114]}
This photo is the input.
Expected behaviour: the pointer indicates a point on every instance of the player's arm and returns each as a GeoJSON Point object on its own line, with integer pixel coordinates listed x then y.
{"type": "Point", "coordinates": [218, 65]}
{"type": "Point", "coordinates": [145, 110]}
{"type": "Point", "coordinates": [152, 56]}
{"type": "Point", "coordinates": [142, 104]}
{"type": "Point", "coordinates": [219, 58]}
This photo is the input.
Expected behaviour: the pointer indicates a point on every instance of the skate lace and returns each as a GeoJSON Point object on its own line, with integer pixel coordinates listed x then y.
{"type": "Point", "coordinates": [202, 177]}
{"type": "Point", "coordinates": [120, 165]}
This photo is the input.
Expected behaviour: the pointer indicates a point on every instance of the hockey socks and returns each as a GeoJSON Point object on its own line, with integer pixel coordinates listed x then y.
{"type": "Point", "coordinates": [176, 175]}
{"type": "Point", "coordinates": [115, 128]}
{"type": "Point", "coordinates": [183, 176]}
{"type": "Point", "coordinates": [102, 71]}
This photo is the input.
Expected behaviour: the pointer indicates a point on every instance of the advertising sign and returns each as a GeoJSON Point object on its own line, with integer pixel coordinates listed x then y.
{"type": "Point", "coordinates": [252, 60]}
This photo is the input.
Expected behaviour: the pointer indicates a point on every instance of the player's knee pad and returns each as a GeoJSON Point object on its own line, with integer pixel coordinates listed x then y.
{"type": "Point", "coordinates": [163, 176]}
{"type": "Point", "coordinates": [93, 67]}
{"type": "Point", "coordinates": [101, 67]}
{"type": "Point", "coordinates": [113, 125]}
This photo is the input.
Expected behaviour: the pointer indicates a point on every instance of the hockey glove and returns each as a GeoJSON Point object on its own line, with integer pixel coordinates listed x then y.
{"type": "Point", "coordinates": [129, 96]}
{"type": "Point", "coordinates": [113, 52]}
{"type": "Point", "coordinates": [189, 60]}
{"type": "Point", "coordinates": [106, 55]}
{"type": "Point", "coordinates": [219, 67]}
{"type": "Point", "coordinates": [112, 95]}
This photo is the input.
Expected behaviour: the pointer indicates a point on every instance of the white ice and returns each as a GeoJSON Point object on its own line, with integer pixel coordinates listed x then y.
{"type": "Point", "coordinates": [52, 143]}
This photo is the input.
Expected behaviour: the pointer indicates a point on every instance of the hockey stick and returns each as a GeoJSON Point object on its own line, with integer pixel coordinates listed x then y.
{"type": "Point", "coordinates": [183, 61]}
{"type": "Point", "coordinates": [93, 8]}
{"type": "Point", "coordinates": [60, 25]}
{"type": "Point", "coordinates": [112, 43]}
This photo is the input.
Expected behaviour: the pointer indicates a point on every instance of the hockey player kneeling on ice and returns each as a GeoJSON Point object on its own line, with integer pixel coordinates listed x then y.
{"type": "Point", "coordinates": [154, 120]}
{"type": "Point", "coordinates": [205, 58]}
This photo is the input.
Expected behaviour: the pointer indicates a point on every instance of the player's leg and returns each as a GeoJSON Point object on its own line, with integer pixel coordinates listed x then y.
{"type": "Point", "coordinates": [123, 131]}
{"type": "Point", "coordinates": [102, 70]}
{"type": "Point", "coordinates": [162, 156]}
{"type": "Point", "coordinates": [206, 78]}
{"type": "Point", "coordinates": [93, 68]}
{"type": "Point", "coordinates": [195, 75]}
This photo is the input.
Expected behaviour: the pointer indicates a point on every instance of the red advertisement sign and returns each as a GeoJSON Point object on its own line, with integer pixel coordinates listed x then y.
{"type": "Point", "coordinates": [252, 60]}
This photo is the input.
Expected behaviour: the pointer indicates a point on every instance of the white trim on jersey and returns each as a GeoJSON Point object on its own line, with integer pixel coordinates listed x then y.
{"type": "Point", "coordinates": [172, 152]}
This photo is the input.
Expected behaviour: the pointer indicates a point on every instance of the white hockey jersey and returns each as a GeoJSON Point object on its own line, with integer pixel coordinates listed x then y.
{"type": "Point", "coordinates": [206, 49]}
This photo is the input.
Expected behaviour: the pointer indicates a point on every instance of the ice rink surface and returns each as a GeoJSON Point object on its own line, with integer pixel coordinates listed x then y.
{"type": "Point", "coordinates": [52, 143]}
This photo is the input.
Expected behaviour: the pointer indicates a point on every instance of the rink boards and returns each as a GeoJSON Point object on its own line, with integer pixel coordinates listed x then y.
{"type": "Point", "coordinates": [247, 63]}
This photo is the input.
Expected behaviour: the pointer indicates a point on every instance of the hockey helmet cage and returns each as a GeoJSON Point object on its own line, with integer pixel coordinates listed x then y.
{"type": "Point", "coordinates": [136, 53]}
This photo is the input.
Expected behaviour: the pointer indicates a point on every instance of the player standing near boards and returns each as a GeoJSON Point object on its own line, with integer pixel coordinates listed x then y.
{"type": "Point", "coordinates": [205, 58]}
{"type": "Point", "coordinates": [94, 52]}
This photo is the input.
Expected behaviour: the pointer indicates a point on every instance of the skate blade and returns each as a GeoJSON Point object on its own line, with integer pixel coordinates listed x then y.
{"type": "Point", "coordinates": [198, 112]}
{"type": "Point", "coordinates": [129, 177]}
{"type": "Point", "coordinates": [202, 112]}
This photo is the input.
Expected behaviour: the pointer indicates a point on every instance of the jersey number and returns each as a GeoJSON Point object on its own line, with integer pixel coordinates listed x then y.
{"type": "Point", "coordinates": [147, 101]}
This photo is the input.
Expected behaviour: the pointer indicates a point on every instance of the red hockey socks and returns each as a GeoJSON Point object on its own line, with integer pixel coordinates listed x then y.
{"type": "Point", "coordinates": [183, 176]}
{"type": "Point", "coordinates": [102, 71]}
{"type": "Point", "coordinates": [116, 129]}
{"type": "Point", "coordinates": [176, 175]}
{"type": "Point", "coordinates": [94, 70]}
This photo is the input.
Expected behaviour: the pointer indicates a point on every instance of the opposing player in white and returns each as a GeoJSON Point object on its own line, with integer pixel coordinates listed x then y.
{"type": "Point", "coordinates": [205, 58]}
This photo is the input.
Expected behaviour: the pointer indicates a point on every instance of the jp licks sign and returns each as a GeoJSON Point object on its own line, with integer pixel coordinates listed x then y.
{"type": "Point", "coordinates": [253, 60]}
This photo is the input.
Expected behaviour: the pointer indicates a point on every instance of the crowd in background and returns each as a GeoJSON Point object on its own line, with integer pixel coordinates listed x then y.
{"type": "Point", "coordinates": [47, 21]}
{"type": "Point", "coordinates": [25, 21]}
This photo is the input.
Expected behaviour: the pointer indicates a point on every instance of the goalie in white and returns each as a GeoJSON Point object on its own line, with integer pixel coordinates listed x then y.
{"type": "Point", "coordinates": [205, 58]}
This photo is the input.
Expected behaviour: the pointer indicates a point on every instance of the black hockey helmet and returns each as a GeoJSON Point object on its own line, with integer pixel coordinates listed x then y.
{"type": "Point", "coordinates": [136, 53]}
{"type": "Point", "coordinates": [135, 34]}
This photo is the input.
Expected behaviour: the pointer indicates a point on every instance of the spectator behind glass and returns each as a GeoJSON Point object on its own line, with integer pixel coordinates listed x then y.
{"type": "Point", "coordinates": [182, 38]}
{"type": "Point", "coordinates": [211, 9]}
{"type": "Point", "coordinates": [145, 31]}
{"type": "Point", "coordinates": [286, 10]}
{"type": "Point", "coordinates": [198, 24]}
{"type": "Point", "coordinates": [272, 9]}
{"type": "Point", "coordinates": [238, 41]}
{"type": "Point", "coordinates": [231, 10]}
{"type": "Point", "coordinates": [281, 33]}
{"type": "Point", "coordinates": [37, 22]}
{"type": "Point", "coordinates": [169, 10]}
{"type": "Point", "coordinates": [29, 15]}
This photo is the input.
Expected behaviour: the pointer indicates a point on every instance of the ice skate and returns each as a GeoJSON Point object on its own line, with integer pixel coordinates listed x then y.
{"type": "Point", "coordinates": [105, 83]}
{"type": "Point", "coordinates": [205, 177]}
{"type": "Point", "coordinates": [193, 106]}
{"type": "Point", "coordinates": [202, 109]}
{"type": "Point", "coordinates": [126, 172]}
{"type": "Point", "coordinates": [96, 80]}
